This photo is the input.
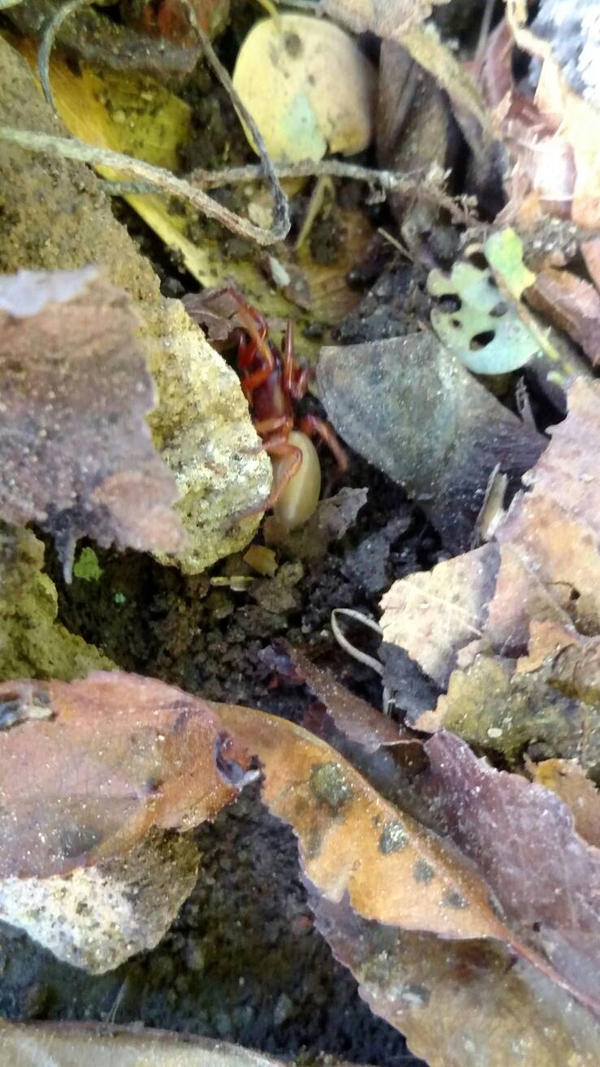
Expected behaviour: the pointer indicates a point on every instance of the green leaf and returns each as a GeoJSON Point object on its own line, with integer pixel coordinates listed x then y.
{"type": "Point", "coordinates": [485, 332]}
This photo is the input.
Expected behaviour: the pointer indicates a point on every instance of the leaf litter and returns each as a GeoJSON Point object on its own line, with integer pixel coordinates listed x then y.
{"type": "Point", "coordinates": [472, 942]}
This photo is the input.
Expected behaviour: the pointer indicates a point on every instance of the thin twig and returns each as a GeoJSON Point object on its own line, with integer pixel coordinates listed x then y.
{"type": "Point", "coordinates": [281, 210]}
{"type": "Point", "coordinates": [484, 29]}
{"type": "Point", "coordinates": [163, 180]}
{"type": "Point", "coordinates": [47, 44]}
{"type": "Point", "coordinates": [343, 642]}
{"type": "Point", "coordinates": [390, 181]}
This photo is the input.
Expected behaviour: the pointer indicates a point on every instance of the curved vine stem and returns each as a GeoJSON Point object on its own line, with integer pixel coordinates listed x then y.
{"type": "Point", "coordinates": [161, 180]}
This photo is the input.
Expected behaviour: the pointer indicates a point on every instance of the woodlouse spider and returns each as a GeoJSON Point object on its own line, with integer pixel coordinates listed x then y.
{"type": "Point", "coordinates": [273, 383]}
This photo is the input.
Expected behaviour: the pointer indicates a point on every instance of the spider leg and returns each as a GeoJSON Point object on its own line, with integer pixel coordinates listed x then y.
{"type": "Point", "coordinates": [267, 427]}
{"type": "Point", "coordinates": [295, 378]}
{"type": "Point", "coordinates": [312, 426]}
{"type": "Point", "coordinates": [292, 457]}
{"type": "Point", "coordinates": [279, 448]}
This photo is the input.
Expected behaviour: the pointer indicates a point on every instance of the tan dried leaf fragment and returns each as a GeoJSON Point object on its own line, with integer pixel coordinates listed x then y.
{"type": "Point", "coordinates": [354, 843]}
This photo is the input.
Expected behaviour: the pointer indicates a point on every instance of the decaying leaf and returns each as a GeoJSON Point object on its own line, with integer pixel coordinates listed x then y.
{"type": "Point", "coordinates": [567, 779]}
{"type": "Point", "coordinates": [383, 17]}
{"type": "Point", "coordinates": [590, 251]}
{"type": "Point", "coordinates": [522, 840]}
{"type": "Point", "coordinates": [490, 329]}
{"type": "Point", "coordinates": [114, 755]}
{"type": "Point", "coordinates": [551, 140]}
{"type": "Point", "coordinates": [409, 407]}
{"type": "Point", "coordinates": [505, 627]}
{"type": "Point", "coordinates": [459, 1004]}
{"type": "Point", "coordinates": [434, 614]}
{"type": "Point", "coordinates": [106, 1045]}
{"type": "Point", "coordinates": [357, 719]}
{"type": "Point", "coordinates": [485, 332]}
{"type": "Point", "coordinates": [414, 133]}
{"type": "Point", "coordinates": [76, 453]}
{"type": "Point", "coordinates": [354, 844]}
{"type": "Point", "coordinates": [572, 305]}
{"type": "Point", "coordinates": [403, 22]}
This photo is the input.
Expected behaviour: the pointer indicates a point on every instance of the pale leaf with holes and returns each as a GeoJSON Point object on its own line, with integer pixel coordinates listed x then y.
{"type": "Point", "coordinates": [484, 331]}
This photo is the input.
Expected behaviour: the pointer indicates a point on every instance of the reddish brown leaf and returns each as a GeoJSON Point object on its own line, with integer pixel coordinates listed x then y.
{"type": "Point", "coordinates": [570, 304]}
{"type": "Point", "coordinates": [75, 450]}
{"type": "Point", "coordinates": [460, 1004]}
{"type": "Point", "coordinates": [357, 719]}
{"type": "Point", "coordinates": [522, 840]}
{"type": "Point", "coordinates": [92, 764]}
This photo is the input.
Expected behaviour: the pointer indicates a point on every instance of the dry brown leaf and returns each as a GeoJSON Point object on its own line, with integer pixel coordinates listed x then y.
{"type": "Point", "coordinates": [433, 614]}
{"type": "Point", "coordinates": [522, 840]}
{"type": "Point", "coordinates": [590, 251]}
{"type": "Point", "coordinates": [460, 1004]}
{"type": "Point", "coordinates": [567, 779]}
{"type": "Point", "coordinates": [402, 21]}
{"type": "Point", "coordinates": [76, 453]}
{"type": "Point", "coordinates": [386, 18]}
{"type": "Point", "coordinates": [571, 304]}
{"type": "Point", "coordinates": [576, 123]}
{"type": "Point", "coordinates": [92, 764]}
{"type": "Point", "coordinates": [553, 528]}
{"type": "Point", "coordinates": [356, 845]}
{"type": "Point", "coordinates": [552, 140]}
{"type": "Point", "coordinates": [357, 719]}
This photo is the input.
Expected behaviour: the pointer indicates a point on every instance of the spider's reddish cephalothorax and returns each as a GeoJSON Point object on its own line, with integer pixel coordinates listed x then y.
{"type": "Point", "coordinates": [273, 383]}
